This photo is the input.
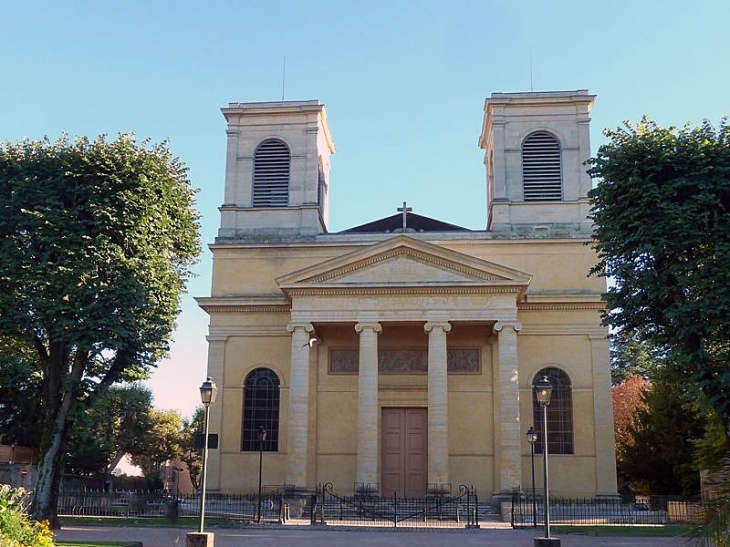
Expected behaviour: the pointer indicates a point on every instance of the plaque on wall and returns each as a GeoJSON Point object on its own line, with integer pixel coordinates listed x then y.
{"type": "Point", "coordinates": [463, 361]}
{"type": "Point", "coordinates": [344, 361]}
{"type": "Point", "coordinates": [403, 361]}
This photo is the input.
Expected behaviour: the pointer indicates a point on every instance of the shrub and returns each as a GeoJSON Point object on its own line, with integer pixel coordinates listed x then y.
{"type": "Point", "coordinates": [16, 528]}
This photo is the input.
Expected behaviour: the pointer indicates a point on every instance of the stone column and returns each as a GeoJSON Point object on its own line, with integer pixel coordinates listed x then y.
{"type": "Point", "coordinates": [438, 404]}
{"type": "Point", "coordinates": [603, 418]}
{"type": "Point", "coordinates": [367, 405]}
{"type": "Point", "coordinates": [508, 468]}
{"type": "Point", "coordinates": [298, 404]}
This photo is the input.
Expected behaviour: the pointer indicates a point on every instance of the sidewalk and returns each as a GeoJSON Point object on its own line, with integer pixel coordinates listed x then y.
{"type": "Point", "coordinates": [306, 536]}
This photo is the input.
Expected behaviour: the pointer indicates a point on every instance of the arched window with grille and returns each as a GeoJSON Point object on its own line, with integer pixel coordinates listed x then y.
{"type": "Point", "coordinates": [559, 413]}
{"type": "Point", "coordinates": [542, 178]}
{"type": "Point", "coordinates": [260, 408]}
{"type": "Point", "coordinates": [271, 169]}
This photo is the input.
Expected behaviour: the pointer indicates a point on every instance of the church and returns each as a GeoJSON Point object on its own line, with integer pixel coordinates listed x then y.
{"type": "Point", "coordinates": [399, 356]}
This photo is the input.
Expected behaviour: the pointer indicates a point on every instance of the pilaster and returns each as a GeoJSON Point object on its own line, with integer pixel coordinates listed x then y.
{"type": "Point", "coordinates": [603, 418]}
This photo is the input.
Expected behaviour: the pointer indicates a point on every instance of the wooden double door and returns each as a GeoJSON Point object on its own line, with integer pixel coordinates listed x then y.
{"type": "Point", "coordinates": [404, 466]}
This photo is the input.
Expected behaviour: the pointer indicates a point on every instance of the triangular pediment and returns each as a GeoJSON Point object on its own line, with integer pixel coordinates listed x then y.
{"type": "Point", "coordinates": [402, 262]}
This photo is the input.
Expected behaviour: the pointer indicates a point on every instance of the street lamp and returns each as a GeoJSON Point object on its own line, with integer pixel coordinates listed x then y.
{"type": "Point", "coordinates": [261, 435]}
{"type": "Point", "coordinates": [208, 391]}
{"type": "Point", "coordinates": [532, 439]}
{"type": "Point", "coordinates": [543, 390]}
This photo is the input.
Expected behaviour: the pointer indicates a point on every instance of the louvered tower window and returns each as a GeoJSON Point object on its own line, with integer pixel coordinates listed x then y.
{"type": "Point", "coordinates": [271, 166]}
{"type": "Point", "coordinates": [541, 173]}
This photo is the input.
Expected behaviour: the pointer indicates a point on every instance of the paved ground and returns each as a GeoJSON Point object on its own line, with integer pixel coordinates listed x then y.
{"type": "Point", "coordinates": [305, 536]}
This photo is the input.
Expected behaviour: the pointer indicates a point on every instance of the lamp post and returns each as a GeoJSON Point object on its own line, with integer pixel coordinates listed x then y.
{"type": "Point", "coordinates": [543, 391]}
{"type": "Point", "coordinates": [532, 438]}
{"type": "Point", "coordinates": [262, 437]}
{"type": "Point", "coordinates": [208, 392]}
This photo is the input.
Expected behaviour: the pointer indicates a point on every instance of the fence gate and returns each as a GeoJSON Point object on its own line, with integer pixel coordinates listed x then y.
{"type": "Point", "coordinates": [366, 508]}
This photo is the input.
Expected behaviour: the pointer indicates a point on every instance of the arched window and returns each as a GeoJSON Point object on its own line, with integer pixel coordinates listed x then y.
{"type": "Point", "coordinates": [559, 413]}
{"type": "Point", "coordinates": [271, 166]}
{"type": "Point", "coordinates": [542, 178]}
{"type": "Point", "coordinates": [260, 408]}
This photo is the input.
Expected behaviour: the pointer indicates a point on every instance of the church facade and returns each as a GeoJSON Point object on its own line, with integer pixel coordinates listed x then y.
{"type": "Point", "coordinates": [400, 355]}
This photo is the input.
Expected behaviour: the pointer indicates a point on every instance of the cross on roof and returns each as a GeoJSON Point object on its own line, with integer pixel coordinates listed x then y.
{"type": "Point", "coordinates": [405, 210]}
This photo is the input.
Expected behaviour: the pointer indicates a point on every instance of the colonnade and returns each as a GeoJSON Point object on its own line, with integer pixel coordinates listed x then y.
{"type": "Point", "coordinates": [506, 407]}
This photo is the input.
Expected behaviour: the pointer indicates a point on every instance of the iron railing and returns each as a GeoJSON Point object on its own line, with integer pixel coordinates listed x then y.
{"type": "Point", "coordinates": [242, 508]}
{"type": "Point", "coordinates": [595, 511]}
{"type": "Point", "coordinates": [367, 507]}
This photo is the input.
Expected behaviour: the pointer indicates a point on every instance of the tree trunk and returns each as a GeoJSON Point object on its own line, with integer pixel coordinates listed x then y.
{"type": "Point", "coordinates": [50, 468]}
{"type": "Point", "coordinates": [58, 399]}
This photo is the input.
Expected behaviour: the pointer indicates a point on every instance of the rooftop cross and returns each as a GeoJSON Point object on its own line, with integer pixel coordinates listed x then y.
{"type": "Point", "coordinates": [405, 210]}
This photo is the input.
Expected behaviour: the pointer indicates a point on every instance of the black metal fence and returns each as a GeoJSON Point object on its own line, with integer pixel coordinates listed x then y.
{"type": "Point", "coordinates": [529, 511]}
{"type": "Point", "coordinates": [366, 507]}
{"type": "Point", "coordinates": [244, 508]}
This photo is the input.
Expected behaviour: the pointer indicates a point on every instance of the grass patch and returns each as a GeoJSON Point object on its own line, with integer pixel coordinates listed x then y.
{"type": "Point", "coordinates": [156, 522]}
{"type": "Point", "coordinates": [670, 530]}
{"type": "Point", "coordinates": [91, 543]}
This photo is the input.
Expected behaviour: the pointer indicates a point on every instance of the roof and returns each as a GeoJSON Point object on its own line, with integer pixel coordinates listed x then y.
{"type": "Point", "coordinates": [414, 223]}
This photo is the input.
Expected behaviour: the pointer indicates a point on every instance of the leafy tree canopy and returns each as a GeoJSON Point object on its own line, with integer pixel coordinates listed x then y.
{"type": "Point", "coordinates": [96, 243]}
{"type": "Point", "coordinates": [662, 231]}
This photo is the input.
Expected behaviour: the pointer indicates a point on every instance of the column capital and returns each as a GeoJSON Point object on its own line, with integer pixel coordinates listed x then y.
{"type": "Point", "coordinates": [308, 327]}
{"type": "Point", "coordinates": [444, 325]}
{"type": "Point", "coordinates": [375, 326]}
{"type": "Point", "coordinates": [500, 325]}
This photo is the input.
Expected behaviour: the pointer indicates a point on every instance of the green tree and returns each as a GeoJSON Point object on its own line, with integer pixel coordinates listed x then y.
{"type": "Point", "coordinates": [96, 243]}
{"type": "Point", "coordinates": [117, 424]}
{"type": "Point", "coordinates": [20, 391]}
{"type": "Point", "coordinates": [631, 356]}
{"type": "Point", "coordinates": [192, 456]}
{"type": "Point", "coordinates": [662, 231]}
{"type": "Point", "coordinates": [161, 444]}
{"type": "Point", "coordinates": [659, 459]}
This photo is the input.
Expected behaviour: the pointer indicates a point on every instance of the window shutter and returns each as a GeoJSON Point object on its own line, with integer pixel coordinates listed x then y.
{"type": "Point", "coordinates": [541, 173]}
{"type": "Point", "coordinates": [271, 174]}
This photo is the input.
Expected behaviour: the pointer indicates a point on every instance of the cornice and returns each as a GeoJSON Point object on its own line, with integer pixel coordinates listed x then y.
{"type": "Point", "coordinates": [402, 290]}
{"type": "Point", "coordinates": [242, 304]}
{"type": "Point", "coordinates": [560, 306]}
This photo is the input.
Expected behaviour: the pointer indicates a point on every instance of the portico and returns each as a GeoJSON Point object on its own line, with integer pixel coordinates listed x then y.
{"type": "Point", "coordinates": [409, 282]}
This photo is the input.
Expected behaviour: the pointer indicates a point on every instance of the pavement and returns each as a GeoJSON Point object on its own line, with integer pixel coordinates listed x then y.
{"type": "Point", "coordinates": [316, 536]}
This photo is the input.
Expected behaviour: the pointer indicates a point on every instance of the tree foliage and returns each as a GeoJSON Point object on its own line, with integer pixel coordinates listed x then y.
{"type": "Point", "coordinates": [191, 456]}
{"type": "Point", "coordinates": [20, 393]}
{"type": "Point", "coordinates": [117, 424]}
{"type": "Point", "coordinates": [160, 445]}
{"type": "Point", "coordinates": [628, 400]}
{"type": "Point", "coordinates": [96, 243]}
{"type": "Point", "coordinates": [662, 231]}
{"type": "Point", "coordinates": [659, 455]}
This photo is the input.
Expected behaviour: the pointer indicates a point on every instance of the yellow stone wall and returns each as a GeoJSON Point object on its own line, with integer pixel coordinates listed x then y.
{"type": "Point", "coordinates": [552, 335]}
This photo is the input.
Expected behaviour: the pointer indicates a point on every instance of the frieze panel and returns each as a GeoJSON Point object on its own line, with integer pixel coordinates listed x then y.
{"type": "Point", "coordinates": [405, 361]}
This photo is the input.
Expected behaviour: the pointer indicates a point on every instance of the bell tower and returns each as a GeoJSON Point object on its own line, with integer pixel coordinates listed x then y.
{"type": "Point", "coordinates": [535, 145]}
{"type": "Point", "coordinates": [277, 170]}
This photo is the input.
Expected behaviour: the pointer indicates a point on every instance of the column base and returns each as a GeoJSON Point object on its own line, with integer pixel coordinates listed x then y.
{"type": "Point", "coordinates": [547, 542]}
{"type": "Point", "coordinates": [199, 539]}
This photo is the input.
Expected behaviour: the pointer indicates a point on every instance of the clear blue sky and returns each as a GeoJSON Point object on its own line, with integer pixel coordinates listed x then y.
{"type": "Point", "coordinates": [404, 83]}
